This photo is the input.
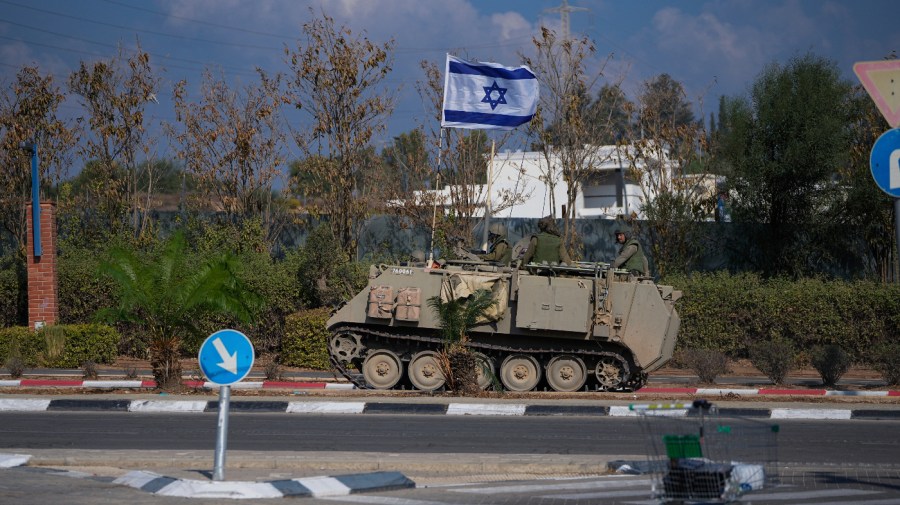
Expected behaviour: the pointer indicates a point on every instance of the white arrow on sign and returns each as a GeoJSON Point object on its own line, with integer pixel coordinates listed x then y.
{"type": "Point", "coordinates": [229, 361]}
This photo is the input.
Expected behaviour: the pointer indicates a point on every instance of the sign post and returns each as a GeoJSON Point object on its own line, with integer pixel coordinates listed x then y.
{"type": "Point", "coordinates": [881, 79]}
{"type": "Point", "coordinates": [226, 357]}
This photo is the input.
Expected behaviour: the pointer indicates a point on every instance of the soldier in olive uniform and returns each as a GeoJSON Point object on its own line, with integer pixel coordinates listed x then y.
{"type": "Point", "coordinates": [631, 256]}
{"type": "Point", "coordinates": [499, 250]}
{"type": "Point", "coordinates": [547, 245]}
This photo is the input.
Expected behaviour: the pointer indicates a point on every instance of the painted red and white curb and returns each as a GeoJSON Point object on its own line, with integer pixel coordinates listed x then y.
{"type": "Point", "coordinates": [301, 385]}
{"type": "Point", "coordinates": [149, 384]}
{"type": "Point", "coordinates": [590, 409]}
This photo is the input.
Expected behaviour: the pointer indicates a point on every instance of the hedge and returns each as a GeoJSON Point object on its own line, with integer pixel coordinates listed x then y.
{"type": "Point", "coordinates": [731, 312]}
{"type": "Point", "coordinates": [305, 340]}
{"type": "Point", "coordinates": [80, 343]}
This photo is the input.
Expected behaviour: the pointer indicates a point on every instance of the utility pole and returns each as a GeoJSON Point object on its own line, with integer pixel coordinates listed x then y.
{"type": "Point", "coordinates": [564, 11]}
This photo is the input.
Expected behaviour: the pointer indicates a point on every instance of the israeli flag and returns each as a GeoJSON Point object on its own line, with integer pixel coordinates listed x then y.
{"type": "Point", "coordinates": [488, 96]}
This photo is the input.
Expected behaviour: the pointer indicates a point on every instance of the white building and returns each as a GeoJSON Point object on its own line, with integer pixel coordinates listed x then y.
{"type": "Point", "coordinates": [519, 185]}
{"type": "Point", "coordinates": [607, 192]}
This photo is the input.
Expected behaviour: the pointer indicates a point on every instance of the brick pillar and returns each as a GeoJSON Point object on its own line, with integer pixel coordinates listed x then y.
{"type": "Point", "coordinates": [43, 289]}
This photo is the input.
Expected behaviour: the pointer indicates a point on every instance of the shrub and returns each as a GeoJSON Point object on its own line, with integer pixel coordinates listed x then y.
{"type": "Point", "coordinates": [81, 342]}
{"type": "Point", "coordinates": [775, 358]}
{"type": "Point", "coordinates": [831, 361]}
{"type": "Point", "coordinates": [23, 343]}
{"type": "Point", "coordinates": [706, 363]}
{"type": "Point", "coordinates": [273, 371]}
{"type": "Point", "coordinates": [85, 342]}
{"type": "Point", "coordinates": [886, 360]}
{"type": "Point", "coordinates": [305, 341]}
{"type": "Point", "coordinates": [81, 291]}
{"type": "Point", "coordinates": [326, 276]}
{"type": "Point", "coordinates": [15, 366]}
{"type": "Point", "coordinates": [89, 370]}
{"type": "Point", "coordinates": [13, 292]}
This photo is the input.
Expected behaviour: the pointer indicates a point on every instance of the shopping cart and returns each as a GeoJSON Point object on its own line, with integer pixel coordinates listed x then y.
{"type": "Point", "coordinates": [696, 453]}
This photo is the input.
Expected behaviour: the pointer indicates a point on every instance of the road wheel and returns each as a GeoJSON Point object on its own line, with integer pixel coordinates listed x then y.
{"type": "Point", "coordinates": [484, 370]}
{"type": "Point", "coordinates": [520, 372]}
{"type": "Point", "coordinates": [566, 373]}
{"type": "Point", "coordinates": [382, 369]}
{"type": "Point", "coordinates": [612, 371]}
{"type": "Point", "coordinates": [425, 372]}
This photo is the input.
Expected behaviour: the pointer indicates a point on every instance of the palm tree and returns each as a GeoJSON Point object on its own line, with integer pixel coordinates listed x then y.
{"type": "Point", "coordinates": [457, 317]}
{"type": "Point", "coordinates": [167, 297]}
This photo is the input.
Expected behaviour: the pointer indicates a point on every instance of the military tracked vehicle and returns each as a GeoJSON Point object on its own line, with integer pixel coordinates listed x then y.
{"type": "Point", "coordinates": [574, 327]}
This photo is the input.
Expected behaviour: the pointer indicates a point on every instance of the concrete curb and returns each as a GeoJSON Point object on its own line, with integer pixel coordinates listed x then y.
{"type": "Point", "coordinates": [149, 384]}
{"type": "Point", "coordinates": [308, 486]}
{"type": "Point", "coordinates": [300, 385]}
{"type": "Point", "coordinates": [397, 408]}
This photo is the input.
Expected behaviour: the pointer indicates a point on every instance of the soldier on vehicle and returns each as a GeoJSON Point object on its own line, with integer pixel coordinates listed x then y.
{"type": "Point", "coordinates": [499, 250]}
{"type": "Point", "coordinates": [547, 245]}
{"type": "Point", "coordinates": [631, 256]}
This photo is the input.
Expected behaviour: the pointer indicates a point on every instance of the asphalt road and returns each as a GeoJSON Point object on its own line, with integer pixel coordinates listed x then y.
{"type": "Point", "coordinates": [858, 442]}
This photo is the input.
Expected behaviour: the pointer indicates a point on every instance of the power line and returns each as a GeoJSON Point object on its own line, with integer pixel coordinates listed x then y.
{"type": "Point", "coordinates": [140, 30]}
{"type": "Point", "coordinates": [201, 22]}
{"type": "Point", "coordinates": [59, 48]}
{"type": "Point", "coordinates": [173, 58]}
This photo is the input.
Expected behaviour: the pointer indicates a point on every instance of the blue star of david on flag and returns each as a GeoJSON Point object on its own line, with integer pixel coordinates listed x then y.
{"type": "Point", "coordinates": [489, 92]}
{"type": "Point", "coordinates": [488, 96]}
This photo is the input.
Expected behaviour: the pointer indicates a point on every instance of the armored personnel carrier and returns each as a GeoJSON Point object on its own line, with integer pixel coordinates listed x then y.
{"type": "Point", "coordinates": [567, 327]}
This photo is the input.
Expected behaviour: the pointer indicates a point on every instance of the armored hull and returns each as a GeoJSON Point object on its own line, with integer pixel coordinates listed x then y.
{"type": "Point", "coordinates": [567, 328]}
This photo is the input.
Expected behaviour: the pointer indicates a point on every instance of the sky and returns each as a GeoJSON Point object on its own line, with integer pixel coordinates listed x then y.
{"type": "Point", "coordinates": [713, 48]}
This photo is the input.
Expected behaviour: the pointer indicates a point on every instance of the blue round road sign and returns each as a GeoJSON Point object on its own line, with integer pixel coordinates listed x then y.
{"type": "Point", "coordinates": [226, 357]}
{"type": "Point", "coordinates": [885, 162]}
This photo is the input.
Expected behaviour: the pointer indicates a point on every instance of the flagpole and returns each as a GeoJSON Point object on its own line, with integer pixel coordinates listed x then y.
{"type": "Point", "coordinates": [487, 203]}
{"type": "Point", "coordinates": [438, 188]}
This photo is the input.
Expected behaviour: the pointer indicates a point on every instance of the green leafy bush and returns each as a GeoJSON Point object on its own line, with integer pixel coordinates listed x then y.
{"type": "Point", "coordinates": [82, 342]}
{"type": "Point", "coordinates": [727, 312]}
{"type": "Point", "coordinates": [81, 291]}
{"type": "Point", "coordinates": [86, 342]}
{"type": "Point", "coordinates": [326, 275]}
{"type": "Point", "coordinates": [13, 292]}
{"type": "Point", "coordinates": [23, 343]}
{"type": "Point", "coordinates": [305, 341]}
{"type": "Point", "coordinates": [831, 362]}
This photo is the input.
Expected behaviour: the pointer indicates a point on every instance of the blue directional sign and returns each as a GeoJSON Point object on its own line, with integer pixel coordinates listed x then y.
{"type": "Point", "coordinates": [885, 162]}
{"type": "Point", "coordinates": [226, 357]}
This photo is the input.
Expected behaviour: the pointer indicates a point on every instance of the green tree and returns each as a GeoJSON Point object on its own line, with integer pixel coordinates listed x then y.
{"type": "Point", "coordinates": [336, 77]}
{"type": "Point", "coordinates": [793, 139]}
{"type": "Point", "coordinates": [867, 213]}
{"type": "Point", "coordinates": [664, 104]}
{"type": "Point", "coordinates": [167, 295]}
{"type": "Point", "coordinates": [612, 108]}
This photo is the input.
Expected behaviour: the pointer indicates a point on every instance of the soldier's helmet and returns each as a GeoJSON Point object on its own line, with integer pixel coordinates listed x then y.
{"type": "Point", "coordinates": [623, 231]}
{"type": "Point", "coordinates": [548, 225]}
{"type": "Point", "coordinates": [418, 255]}
{"type": "Point", "coordinates": [497, 229]}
